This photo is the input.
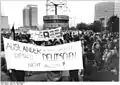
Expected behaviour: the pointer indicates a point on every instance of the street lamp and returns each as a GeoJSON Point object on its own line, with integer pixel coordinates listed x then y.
{"type": "Point", "coordinates": [101, 20]}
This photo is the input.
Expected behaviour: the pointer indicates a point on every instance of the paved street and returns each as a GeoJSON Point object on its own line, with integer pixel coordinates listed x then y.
{"type": "Point", "coordinates": [35, 77]}
{"type": "Point", "coordinates": [97, 76]}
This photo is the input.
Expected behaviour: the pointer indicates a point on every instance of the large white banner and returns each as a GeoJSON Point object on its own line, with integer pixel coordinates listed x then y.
{"type": "Point", "coordinates": [45, 34]}
{"type": "Point", "coordinates": [28, 57]}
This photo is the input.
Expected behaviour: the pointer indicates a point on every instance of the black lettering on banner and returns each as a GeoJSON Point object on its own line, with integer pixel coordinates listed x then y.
{"type": "Point", "coordinates": [44, 56]}
{"type": "Point", "coordinates": [38, 51]}
{"type": "Point", "coordinates": [8, 46]}
{"type": "Point", "coordinates": [52, 65]}
{"type": "Point", "coordinates": [31, 50]}
{"type": "Point", "coordinates": [49, 57]}
{"type": "Point", "coordinates": [63, 63]}
{"type": "Point", "coordinates": [25, 48]}
{"type": "Point", "coordinates": [15, 47]}
{"type": "Point", "coordinates": [65, 55]}
{"type": "Point", "coordinates": [71, 55]}
{"type": "Point", "coordinates": [21, 55]}
{"type": "Point", "coordinates": [62, 56]}
{"type": "Point", "coordinates": [51, 34]}
{"type": "Point", "coordinates": [46, 34]}
{"type": "Point", "coordinates": [25, 56]}
{"type": "Point", "coordinates": [33, 64]}
{"type": "Point", "coordinates": [46, 65]}
{"type": "Point", "coordinates": [68, 56]}
{"type": "Point", "coordinates": [56, 55]}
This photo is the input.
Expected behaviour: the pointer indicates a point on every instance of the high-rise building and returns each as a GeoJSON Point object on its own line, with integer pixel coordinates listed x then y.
{"type": "Point", "coordinates": [26, 17]}
{"type": "Point", "coordinates": [5, 28]}
{"type": "Point", "coordinates": [4, 22]}
{"type": "Point", "coordinates": [117, 8]}
{"type": "Point", "coordinates": [104, 10]}
{"type": "Point", "coordinates": [30, 16]}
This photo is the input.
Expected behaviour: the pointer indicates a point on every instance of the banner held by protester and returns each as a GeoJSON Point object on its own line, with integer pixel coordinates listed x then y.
{"type": "Point", "coordinates": [28, 57]}
{"type": "Point", "coordinates": [45, 34]}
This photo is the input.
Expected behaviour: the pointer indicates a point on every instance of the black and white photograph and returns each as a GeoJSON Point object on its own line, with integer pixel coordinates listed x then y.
{"type": "Point", "coordinates": [59, 41]}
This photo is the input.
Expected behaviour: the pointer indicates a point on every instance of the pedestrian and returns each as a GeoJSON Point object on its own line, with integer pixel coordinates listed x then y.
{"type": "Point", "coordinates": [98, 55]}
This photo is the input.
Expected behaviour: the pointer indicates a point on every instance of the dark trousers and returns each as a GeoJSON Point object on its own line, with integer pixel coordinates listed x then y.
{"type": "Point", "coordinates": [74, 75]}
{"type": "Point", "coordinates": [17, 75]}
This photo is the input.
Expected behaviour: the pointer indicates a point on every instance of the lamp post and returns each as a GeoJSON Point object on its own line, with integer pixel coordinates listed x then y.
{"type": "Point", "coordinates": [101, 20]}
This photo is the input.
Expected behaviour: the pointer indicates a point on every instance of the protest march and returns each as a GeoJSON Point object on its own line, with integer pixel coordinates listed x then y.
{"type": "Point", "coordinates": [76, 54]}
{"type": "Point", "coordinates": [58, 45]}
{"type": "Point", "coordinates": [39, 58]}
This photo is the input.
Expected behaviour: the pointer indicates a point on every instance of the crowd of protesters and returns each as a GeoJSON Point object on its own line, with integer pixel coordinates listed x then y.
{"type": "Point", "coordinates": [100, 54]}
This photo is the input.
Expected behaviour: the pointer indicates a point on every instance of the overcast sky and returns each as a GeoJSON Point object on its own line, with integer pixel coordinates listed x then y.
{"type": "Point", "coordinates": [79, 11]}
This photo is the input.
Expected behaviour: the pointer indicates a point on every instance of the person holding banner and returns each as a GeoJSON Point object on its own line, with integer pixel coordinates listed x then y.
{"type": "Point", "coordinates": [55, 75]}
{"type": "Point", "coordinates": [73, 74]}
{"type": "Point", "coordinates": [15, 75]}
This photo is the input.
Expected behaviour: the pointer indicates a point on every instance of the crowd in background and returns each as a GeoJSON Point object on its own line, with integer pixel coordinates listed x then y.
{"type": "Point", "coordinates": [100, 52]}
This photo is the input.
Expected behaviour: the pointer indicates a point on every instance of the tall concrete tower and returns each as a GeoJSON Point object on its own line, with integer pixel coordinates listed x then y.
{"type": "Point", "coordinates": [30, 16]}
{"type": "Point", "coordinates": [26, 17]}
{"type": "Point", "coordinates": [4, 22]}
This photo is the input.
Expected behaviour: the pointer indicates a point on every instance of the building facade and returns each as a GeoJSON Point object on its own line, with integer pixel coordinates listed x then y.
{"type": "Point", "coordinates": [54, 21]}
{"type": "Point", "coordinates": [117, 9]}
{"type": "Point", "coordinates": [104, 10]}
{"type": "Point", "coordinates": [4, 22]}
{"type": "Point", "coordinates": [30, 16]}
{"type": "Point", "coordinates": [26, 17]}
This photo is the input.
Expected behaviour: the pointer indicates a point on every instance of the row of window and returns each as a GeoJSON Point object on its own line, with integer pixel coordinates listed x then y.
{"type": "Point", "coordinates": [56, 21]}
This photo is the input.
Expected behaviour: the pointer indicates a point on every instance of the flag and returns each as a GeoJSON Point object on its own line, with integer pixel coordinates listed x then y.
{"type": "Point", "coordinates": [12, 33]}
